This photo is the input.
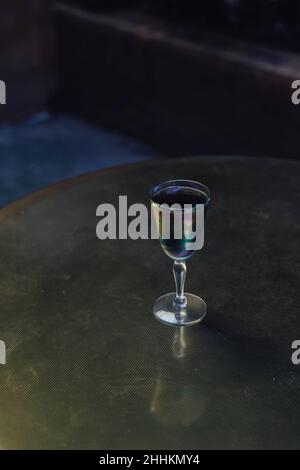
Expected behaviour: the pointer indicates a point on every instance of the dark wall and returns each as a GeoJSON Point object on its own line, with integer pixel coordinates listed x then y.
{"type": "Point", "coordinates": [27, 62]}
{"type": "Point", "coordinates": [26, 57]}
{"type": "Point", "coordinates": [179, 96]}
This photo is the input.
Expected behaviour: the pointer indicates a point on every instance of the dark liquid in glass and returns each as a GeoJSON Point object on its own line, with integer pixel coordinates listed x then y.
{"type": "Point", "coordinates": [176, 248]}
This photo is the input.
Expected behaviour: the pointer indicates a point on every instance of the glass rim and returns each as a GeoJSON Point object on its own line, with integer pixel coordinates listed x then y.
{"type": "Point", "coordinates": [183, 183]}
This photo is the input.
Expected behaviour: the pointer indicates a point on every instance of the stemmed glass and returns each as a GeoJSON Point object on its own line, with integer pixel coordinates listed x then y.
{"type": "Point", "coordinates": [181, 198]}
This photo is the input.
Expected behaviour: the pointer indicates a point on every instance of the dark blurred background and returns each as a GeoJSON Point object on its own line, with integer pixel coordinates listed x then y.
{"type": "Point", "coordinates": [96, 83]}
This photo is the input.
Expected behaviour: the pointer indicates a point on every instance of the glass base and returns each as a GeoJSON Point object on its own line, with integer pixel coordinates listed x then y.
{"type": "Point", "coordinates": [170, 313]}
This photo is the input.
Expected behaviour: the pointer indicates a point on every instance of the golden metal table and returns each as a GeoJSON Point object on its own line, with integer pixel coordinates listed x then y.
{"type": "Point", "coordinates": [88, 366]}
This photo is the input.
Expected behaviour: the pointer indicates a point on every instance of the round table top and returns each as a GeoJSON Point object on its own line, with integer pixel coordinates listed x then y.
{"type": "Point", "coordinates": [88, 366]}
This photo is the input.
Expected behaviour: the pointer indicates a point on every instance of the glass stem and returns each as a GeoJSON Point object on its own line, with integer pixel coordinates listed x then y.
{"type": "Point", "coordinates": [179, 271]}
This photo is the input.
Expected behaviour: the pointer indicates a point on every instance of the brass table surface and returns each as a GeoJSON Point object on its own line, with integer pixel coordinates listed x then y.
{"type": "Point", "coordinates": [88, 366]}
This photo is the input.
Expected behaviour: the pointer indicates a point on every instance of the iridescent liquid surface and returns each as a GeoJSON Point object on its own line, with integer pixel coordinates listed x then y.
{"type": "Point", "coordinates": [180, 195]}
